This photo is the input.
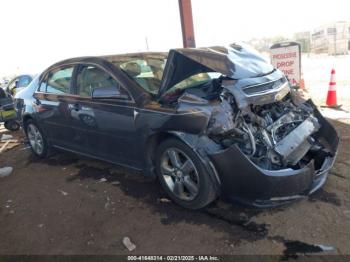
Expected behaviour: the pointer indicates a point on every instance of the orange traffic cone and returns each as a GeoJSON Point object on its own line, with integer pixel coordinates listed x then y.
{"type": "Point", "coordinates": [332, 92]}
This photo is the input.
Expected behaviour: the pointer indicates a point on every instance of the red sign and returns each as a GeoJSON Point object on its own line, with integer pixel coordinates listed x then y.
{"type": "Point", "coordinates": [286, 57]}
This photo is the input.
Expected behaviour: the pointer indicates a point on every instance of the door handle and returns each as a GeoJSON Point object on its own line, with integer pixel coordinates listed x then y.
{"type": "Point", "coordinates": [77, 107]}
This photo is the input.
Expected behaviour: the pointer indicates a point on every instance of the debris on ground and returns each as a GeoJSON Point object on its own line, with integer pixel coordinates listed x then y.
{"type": "Point", "coordinates": [25, 148]}
{"type": "Point", "coordinates": [8, 144]}
{"type": "Point", "coordinates": [3, 147]}
{"type": "Point", "coordinates": [108, 203]}
{"type": "Point", "coordinates": [5, 137]}
{"type": "Point", "coordinates": [326, 248]}
{"type": "Point", "coordinates": [293, 248]}
{"type": "Point", "coordinates": [102, 180]}
{"type": "Point", "coordinates": [164, 200]}
{"type": "Point", "coordinates": [5, 171]}
{"type": "Point", "coordinates": [128, 244]}
{"type": "Point", "coordinates": [63, 192]}
{"type": "Point", "coordinates": [115, 183]}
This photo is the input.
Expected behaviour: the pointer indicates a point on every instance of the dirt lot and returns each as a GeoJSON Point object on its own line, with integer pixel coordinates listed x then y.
{"type": "Point", "coordinates": [61, 206]}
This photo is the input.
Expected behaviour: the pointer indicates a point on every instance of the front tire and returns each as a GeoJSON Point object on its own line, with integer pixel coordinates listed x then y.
{"type": "Point", "coordinates": [37, 140]}
{"type": "Point", "coordinates": [183, 175]}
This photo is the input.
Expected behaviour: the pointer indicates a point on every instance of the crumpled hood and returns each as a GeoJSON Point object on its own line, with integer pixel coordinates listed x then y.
{"type": "Point", "coordinates": [236, 61]}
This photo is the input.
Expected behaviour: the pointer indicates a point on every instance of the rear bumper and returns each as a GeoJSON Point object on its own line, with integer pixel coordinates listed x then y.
{"type": "Point", "coordinates": [243, 181]}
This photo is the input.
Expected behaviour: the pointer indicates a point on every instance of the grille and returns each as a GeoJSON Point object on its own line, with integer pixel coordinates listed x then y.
{"type": "Point", "coordinates": [249, 90]}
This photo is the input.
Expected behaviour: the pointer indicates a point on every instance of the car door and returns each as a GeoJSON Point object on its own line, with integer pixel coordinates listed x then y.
{"type": "Point", "coordinates": [108, 122]}
{"type": "Point", "coordinates": [55, 102]}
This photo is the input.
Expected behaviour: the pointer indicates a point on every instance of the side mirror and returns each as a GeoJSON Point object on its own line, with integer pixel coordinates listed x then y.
{"type": "Point", "coordinates": [108, 93]}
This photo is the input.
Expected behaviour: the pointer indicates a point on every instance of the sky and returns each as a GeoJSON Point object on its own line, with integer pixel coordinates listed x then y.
{"type": "Point", "coordinates": [37, 33]}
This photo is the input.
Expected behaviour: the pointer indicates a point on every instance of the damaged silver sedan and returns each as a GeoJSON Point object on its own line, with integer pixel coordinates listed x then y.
{"type": "Point", "coordinates": [206, 121]}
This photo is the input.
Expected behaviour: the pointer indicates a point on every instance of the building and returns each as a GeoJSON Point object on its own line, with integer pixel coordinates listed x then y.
{"type": "Point", "coordinates": [303, 38]}
{"type": "Point", "coordinates": [333, 38]}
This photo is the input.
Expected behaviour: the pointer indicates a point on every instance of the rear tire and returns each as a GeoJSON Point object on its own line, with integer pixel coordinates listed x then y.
{"type": "Point", "coordinates": [12, 125]}
{"type": "Point", "coordinates": [37, 140]}
{"type": "Point", "coordinates": [183, 175]}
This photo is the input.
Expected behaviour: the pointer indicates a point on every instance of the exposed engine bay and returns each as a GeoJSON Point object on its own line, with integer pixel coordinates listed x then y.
{"type": "Point", "coordinates": [275, 131]}
{"type": "Point", "coordinates": [274, 136]}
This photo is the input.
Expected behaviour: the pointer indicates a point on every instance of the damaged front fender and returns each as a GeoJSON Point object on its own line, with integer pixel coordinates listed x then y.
{"type": "Point", "coordinates": [202, 145]}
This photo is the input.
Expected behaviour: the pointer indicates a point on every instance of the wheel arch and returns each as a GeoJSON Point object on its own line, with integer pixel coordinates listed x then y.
{"type": "Point", "coordinates": [151, 145]}
{"type": "Point", "coordinates": [25, 120]}
{"type": "Point", "coordinates": [190, 140]}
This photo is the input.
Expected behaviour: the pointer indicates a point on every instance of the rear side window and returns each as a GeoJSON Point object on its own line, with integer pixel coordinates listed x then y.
{"type": "Point", "coordinates": [58, 81]}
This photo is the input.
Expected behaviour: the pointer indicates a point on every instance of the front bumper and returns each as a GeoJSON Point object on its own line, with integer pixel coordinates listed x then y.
{"type": "Point", "coordinates": [243, 181]}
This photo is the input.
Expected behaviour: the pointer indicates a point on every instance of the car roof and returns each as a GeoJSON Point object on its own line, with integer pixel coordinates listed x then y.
{"type": "Point", "coordinates": [141, 55]}
{"type": "Point", "coordinates": [111, 58]}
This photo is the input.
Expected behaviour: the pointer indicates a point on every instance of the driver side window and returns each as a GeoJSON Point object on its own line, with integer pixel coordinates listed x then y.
{"type": "Point", "coordinates": [90, 78]}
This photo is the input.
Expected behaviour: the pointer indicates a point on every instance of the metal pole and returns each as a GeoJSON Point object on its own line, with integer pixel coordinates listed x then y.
{"type": "Point", "coordinates": [187, 23]}
{"type": "Point", "coordinates": [147, 47]}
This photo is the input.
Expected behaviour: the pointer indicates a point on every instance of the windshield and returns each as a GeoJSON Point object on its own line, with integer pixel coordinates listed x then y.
{"type": "Point", "coordinates": [147, 70]}
{"type": "Point", "coordinates": [148, 74]}
{"type": "Point", "coordinates": [201, 85]}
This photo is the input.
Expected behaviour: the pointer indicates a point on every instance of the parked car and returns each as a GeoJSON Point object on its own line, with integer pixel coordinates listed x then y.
{"type": "Point", "coordinates": [8, 114]}
{"type": "Point", "coordinates": [206, 121]}
{"type": "Point", "coordinates": [18, 83]}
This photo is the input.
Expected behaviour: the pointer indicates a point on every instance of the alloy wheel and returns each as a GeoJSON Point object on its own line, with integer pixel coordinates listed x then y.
{"type": "Point", "coordinates": [180, 174]}
{"type": "Point", "coordinates": [35, 139]}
